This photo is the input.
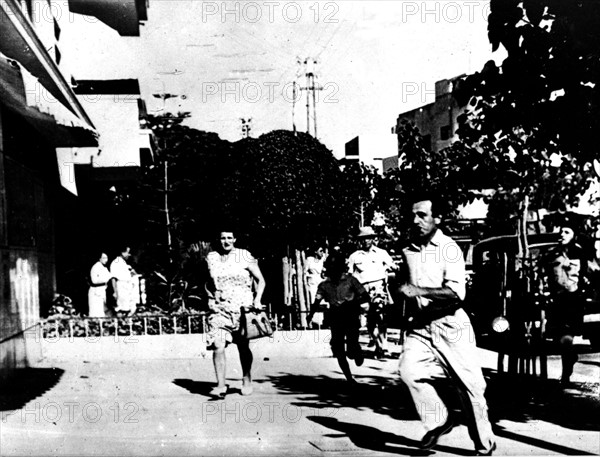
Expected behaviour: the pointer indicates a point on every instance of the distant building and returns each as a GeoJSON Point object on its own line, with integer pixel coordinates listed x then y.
{"type": "Point", "coordinates": [379, 151]}
{"type": "Point", "coordinates": [42, 225]}
{"type": "Point", "coordinates": [119, 113]}
{"type": "Point", "coordinates": [437, 122]}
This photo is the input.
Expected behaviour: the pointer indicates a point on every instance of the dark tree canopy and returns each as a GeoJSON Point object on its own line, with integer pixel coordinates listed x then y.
{"type": "Point", "coordinates": [548, 84]}
{"type": "Point", "coordinates": [451, 174]}
{"type": "Point", "coordinates": [533, 120]}
{"type": "Point", "coordinates": [281, 190]}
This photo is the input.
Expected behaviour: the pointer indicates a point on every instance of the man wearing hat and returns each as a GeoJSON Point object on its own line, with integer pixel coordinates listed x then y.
{"type": "Point", "coordinates": [565, 267]}
{"type": "Point", "coordinates": [370, 265]}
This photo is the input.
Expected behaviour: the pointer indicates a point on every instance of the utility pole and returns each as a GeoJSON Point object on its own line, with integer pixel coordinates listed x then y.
{"type": "Point", "coordinates": [294, 92]}
{"type": "Point", "coordinates": [246, 126]}
{"type": "Point", "coordinates": [311, 94]}
{"type": "Point", "coordinates": [167, 216]}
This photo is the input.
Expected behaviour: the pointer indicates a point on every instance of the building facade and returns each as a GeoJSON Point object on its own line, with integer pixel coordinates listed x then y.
{"type": "Point", "coordinates": [40, 114]}
{"type": "Point", "coordinates": [438, 121]}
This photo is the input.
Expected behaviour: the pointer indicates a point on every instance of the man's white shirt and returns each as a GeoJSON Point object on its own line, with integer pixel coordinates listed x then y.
{"type": "Point", "coordinates": [439, 264]}
{"type": "Point", "coordinates": [371, 265]}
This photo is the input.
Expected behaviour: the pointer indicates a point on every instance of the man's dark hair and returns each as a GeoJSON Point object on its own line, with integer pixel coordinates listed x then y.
{"type": "Point", "coordinates": [438, 208]}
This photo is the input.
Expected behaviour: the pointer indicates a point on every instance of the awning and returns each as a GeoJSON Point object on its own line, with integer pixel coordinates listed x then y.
{"type": "Point", "coordinates": [58, 125]}
{"type": "Point", "coordinates": [20, 42]}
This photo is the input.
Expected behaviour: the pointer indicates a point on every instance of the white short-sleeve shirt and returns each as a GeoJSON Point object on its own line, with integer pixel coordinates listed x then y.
{"type": "Point", "coordinates": [439, 264]}
{"type": "Point", "coordinates": [371, 265]}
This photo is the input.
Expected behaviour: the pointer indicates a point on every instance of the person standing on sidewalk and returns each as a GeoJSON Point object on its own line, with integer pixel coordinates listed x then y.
{"type": "Point", "coordinates": [440, 343]}
{"type": "Point", "coordinates": [99, 278]}
{"type": "Point", "coordinates": [232, 273]}
{"type": "Point", "coordinates": [370, 265]}
{"type": "Point", "coordinates": [564, 266]}
{"type": "Point", "coordinates": [123, 282]}
{"type": "Point", "coordinates": [313, 271]}
{"type": "Point", "coordinates": [345, 295]}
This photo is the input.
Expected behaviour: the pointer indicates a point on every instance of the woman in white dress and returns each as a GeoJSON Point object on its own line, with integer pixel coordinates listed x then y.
{"type": "Point", "coordinates": [99, 278]}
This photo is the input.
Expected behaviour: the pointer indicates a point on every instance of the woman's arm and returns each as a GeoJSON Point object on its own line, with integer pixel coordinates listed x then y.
{"type": "Point", "coordinates": [314, 308]}
{"type": "Point", "coordinates": [254, 270]}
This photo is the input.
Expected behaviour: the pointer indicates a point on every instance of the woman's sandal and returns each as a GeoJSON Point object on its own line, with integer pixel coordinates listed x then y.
{"type": "Point", "coordinates": [247, 390]}
{"type": "Point", "coordinates": [219, 391]}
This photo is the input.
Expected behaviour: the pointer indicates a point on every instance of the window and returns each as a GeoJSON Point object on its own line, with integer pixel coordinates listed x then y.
{"type": "Point", "coordinates": [445, 132]}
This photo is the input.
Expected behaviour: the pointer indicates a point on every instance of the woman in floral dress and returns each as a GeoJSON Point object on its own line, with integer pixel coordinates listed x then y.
{"type": "Point", "coordinates": [232, 273]}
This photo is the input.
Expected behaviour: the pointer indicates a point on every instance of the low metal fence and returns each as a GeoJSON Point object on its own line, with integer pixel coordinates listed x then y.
{"type": "Point", "coordinates": [75, 327]}
{"type": "Point", "coordinates": [156, 324]}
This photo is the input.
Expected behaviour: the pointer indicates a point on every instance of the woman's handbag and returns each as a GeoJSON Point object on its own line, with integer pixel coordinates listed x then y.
{"type": "Point", "coordinates": [255, 324]}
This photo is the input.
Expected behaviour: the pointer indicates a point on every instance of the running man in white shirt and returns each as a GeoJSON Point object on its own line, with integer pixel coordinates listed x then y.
{"type": "Point", "coordinates": [439, 343]}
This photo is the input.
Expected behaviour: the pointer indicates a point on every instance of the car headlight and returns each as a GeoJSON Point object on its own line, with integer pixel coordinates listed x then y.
{"type": "Point", "coordinates": [500, 325]}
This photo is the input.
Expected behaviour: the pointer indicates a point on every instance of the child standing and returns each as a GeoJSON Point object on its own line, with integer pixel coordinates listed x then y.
{"type": "Point", "coordinates": [345, 295]}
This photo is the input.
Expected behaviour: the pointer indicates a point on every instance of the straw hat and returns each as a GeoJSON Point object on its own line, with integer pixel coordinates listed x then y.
{"type": "Point", "coordinates": [366, 232]}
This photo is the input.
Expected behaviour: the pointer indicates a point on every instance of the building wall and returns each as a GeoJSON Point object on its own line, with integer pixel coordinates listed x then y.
{"type": "Point", "coordinates": [438, 121]}
{"type": "Point", "coordinates": [117, 117]}
{"type": "Point", "coordinates": [27, 268]}
{"type": "Point", "coordinates": [372, 149]}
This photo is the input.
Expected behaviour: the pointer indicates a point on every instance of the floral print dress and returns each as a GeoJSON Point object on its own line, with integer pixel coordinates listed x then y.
{"type": "Point", "coordinates": [233, 289]}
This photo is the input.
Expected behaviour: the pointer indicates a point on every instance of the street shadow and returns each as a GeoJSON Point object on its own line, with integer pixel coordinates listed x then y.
{"type": "Point", "coordinates": [203, 388]}
{"type": "Point", "coordinates": [525, 399]}
{"type": "Point", "coordinates": [380, 394]}
{"type": "Point", "coordinates": [522, 399]}
{"type": "Point", "coordinates": [26, 384]}
{"type": "Point", "coordinates": [537, 442]}
{"type": "Point", "coordinates": [372, 438]}
{"type": "Point", "coordinates": [514, 398]}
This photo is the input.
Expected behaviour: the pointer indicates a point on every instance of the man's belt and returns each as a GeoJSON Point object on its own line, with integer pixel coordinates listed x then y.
{"type": "Point", "coordinates": [424, 317]}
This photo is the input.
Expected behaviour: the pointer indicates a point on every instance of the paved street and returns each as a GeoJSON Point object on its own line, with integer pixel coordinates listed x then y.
{"type": "Point", "coordinates": [301, 405]}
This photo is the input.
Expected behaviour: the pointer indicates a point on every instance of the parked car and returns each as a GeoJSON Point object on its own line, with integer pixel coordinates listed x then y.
{"type": "Point", "coordinates": [507, 306]}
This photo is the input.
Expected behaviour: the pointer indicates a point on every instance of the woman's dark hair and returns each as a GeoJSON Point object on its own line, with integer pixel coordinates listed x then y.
{"type": "Point", "coordinates": [316, 246]}
{"type": "Point", "coordinates": [124, 247]}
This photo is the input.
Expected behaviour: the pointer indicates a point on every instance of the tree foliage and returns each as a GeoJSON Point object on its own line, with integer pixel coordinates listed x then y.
{"type": "Point", "coordinates": [548, 84]}
{"type": "Point", "coordinates": [284, 189]}
{"type": "Point", "coordinates": [452, 174]}
{"type": "Point", "coordinates": [277, 191]}
{"type": "Point", "coordinates": [534, 119]}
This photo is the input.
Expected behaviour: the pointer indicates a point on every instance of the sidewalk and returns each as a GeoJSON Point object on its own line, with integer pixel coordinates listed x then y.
{"type": "Point", "coordinates": [300, 406]}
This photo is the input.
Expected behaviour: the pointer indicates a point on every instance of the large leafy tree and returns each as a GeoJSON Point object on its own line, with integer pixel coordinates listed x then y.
{"type": "Point", "coordinates": [452, 174]}
{"type": "Point", "coordinates": [175, 192]}
{"type": "Point", "coordinates": [534, 118]}
{"type": "Point", "coordinates": [284, 189]}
